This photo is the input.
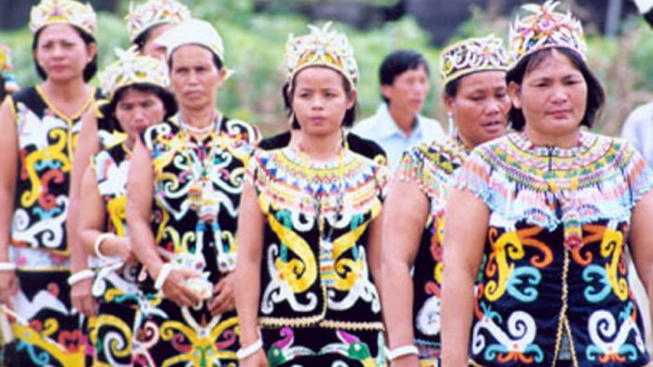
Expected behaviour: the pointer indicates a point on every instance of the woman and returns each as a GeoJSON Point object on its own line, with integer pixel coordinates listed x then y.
{"type": "Point", "coordinates": [137, 98]}
{"type": "Point", "coordinates": [145, 22]}
{"type": "Point", "coordinates": [183, 199]}
{"type": "Point", "coordinates": [551, 209]}
{"type": "Point", "coordinates": [40, 126]}
{"type": "Point", "coordinates": [308, 233]}
{"type": "Point", "coordinates": [476, 96]}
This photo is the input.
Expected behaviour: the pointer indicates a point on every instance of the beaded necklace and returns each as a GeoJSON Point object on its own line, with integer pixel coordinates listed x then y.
{"type": "Point", "coordinates": [325, 237]}
{"type": "Point", "coordinates": [201, 193]}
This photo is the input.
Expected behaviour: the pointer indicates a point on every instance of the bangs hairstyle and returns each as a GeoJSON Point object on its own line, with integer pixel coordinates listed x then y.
{"type": "Point", "coordinates": [595, 92]}
{"type": "Point", "coordinates": [167, 98]}
{"type": "Point", "coordinates": [216, 60]}
{"type": "Point", "coordinates": [287, 91]}
{"type": "Point", "coordinates": [89, 70]}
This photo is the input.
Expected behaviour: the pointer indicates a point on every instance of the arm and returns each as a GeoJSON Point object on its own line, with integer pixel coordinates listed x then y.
{"type": "Point", "coordinates": [406, 211]}
{"type": "Point", "coordinates": [248, 271]}
{"type": "Point", "coordinates": [87, 145]}
{"type": "Point", "coordinates": [140, 194]}
{"type": "Point", "coordinates": [640, 242]}
{"type": "Point", "coordinates": [8, 172]}
{"type": "Point", "coordinates": [92, 223]}
{"type": "Point", "coordinates": [464, 237]}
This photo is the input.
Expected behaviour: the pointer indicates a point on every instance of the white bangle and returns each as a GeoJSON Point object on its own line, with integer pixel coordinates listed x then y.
{"type": "Point", "coordinates": [98, 243]}
{"type": "Point", "coordinates": [163, 275]}
{"type": "Point", "coordinates": [248, 351]}
{"type": "Point", "coordinates": [7, 266]}
{"type": "Point", "coordinates": [79, 276]}
{"type": "Point", "coordinates": [393, 354]}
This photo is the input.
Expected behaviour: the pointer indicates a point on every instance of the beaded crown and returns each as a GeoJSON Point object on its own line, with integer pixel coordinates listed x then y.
{"type": "Point", "coordinates": [545, 28]}
{"type": "Point", "coordinates": [132, 68]}
{"type": "Point", "coordinates": [154, 12]}
{"type": "Point", "coordinates": [321, 47]}
{"type": "Point", "coordinates": [471, 55]}
{"type": "Point", "coordinates": [63, 11]}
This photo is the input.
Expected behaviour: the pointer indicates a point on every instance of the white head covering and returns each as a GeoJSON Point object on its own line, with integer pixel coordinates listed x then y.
{"type": "Point", "coordinates": [192, 32]}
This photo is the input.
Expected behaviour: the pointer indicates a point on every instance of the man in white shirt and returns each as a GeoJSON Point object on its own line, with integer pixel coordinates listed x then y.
{"type": "Point", "coordinates": [397, 124]}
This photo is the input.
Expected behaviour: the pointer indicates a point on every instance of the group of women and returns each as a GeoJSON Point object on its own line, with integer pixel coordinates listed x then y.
{"type": "Point", "coordinates": [487, 249]}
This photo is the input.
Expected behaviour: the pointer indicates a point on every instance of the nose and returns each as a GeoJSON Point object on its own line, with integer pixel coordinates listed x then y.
{"type": "Point", "coordinates": [317, 103]}
{"type": "Point", "coordinates": [559, 94]}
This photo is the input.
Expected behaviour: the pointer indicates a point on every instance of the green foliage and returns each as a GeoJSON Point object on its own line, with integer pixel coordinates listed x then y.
{"type": "Point", "coordinates": [254, 45]}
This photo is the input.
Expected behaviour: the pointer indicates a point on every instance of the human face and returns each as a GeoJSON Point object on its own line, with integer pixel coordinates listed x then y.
{"type": "Point", "coordinates": [553, 99]}
{"type": "Point", "coordinates": [480, 107]}
{"type": "Point", "coordinates": [151, 48]}
{"type": "Point", "coordinates": [62, 53]}
{"type": "Point", "coordinates": [194, 77]}
{"type": "Point", "coordinates": [137, 110]}
{"type": "Point", "coordinates": [320, 102]}
{"type": "Point", "coordinates": [409, 90]}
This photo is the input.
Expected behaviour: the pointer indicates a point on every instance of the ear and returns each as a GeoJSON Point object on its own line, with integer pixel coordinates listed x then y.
{"type": "Point", "coordinates": [223, 74]}
{"type": "Point", "coordinates": [386, 90]}
{"type": "Point", "coordinates": [351, 102]}
{"type": "Point", "coordinates": [449, 103]}
{"type": "Point", "coordinates": [91, 49]}
{"type": "Point", "coordinates": [514, 90]}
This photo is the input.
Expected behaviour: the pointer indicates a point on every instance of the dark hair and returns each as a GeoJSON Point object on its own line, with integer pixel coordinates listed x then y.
{"type": "Point", "coordinates": [142, 38]}
{"type": "Point", "coordinates": [398, 62]}
{"type": "Point", "coordinates": [595, 93]}
{"type": "Point", "coordinates": [451, 88]}
{"type": "Point", "coordinates": [216, 60]}
{"type": "Point", "coordinates": [167, 98]}
{"type": "Point", "coordinates": [89, 70]}
{"type": "Point", "coordinates": [287, 91]}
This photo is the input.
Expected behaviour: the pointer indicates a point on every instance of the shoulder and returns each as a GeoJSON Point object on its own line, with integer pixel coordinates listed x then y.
{"type": "Point", "coordinates": [365, 147]}
{"type": "Point", "coordinates": [241, 131]}
{"type": "Point", "coordinates": [25, 95]}
{"type": "Point", "coordinates": [431, 127]}
{"type": "Point", "coordinates": [641, 114]}
{"type": "Point", "coordinates": [274, 142]}
{"type": "Point", "coordinates": [369, 124]}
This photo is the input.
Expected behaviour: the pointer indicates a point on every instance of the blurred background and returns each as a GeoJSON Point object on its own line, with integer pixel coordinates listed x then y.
{"type": "Point", "coordinates": [255, 31]}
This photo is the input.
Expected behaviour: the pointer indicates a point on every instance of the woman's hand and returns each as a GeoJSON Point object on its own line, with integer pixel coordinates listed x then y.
{"type": "Point", "coordinates": [257, 359]}
{"type": "Point", "coordinates": [8, 286]}
{"type": "Point", "coordinates": [174, 288]}
{"type": "Point", "coordinates": [223, 296]}
{"type": "Point", "coordinates": [82, 298]}
{"type": "Point", "coordinates": [126, 252]}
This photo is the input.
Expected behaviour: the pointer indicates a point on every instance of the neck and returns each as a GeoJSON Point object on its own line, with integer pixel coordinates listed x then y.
{"type": "Point", "coordinates": [65, 91]}
{"type": "Point", "coordinates": [320, 148]}
{"type": "Point", "coordinates": [198, 118]}
{"type": "Point", "coordinates": [467, 144]}
{"type": "Point", "coordinates": [564, 141]}
{"type": "Point", "coordinates": [405, 119]}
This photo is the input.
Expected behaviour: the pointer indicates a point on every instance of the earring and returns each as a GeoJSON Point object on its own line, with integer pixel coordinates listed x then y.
{"type": "Point", "coordinates": [451, 124]}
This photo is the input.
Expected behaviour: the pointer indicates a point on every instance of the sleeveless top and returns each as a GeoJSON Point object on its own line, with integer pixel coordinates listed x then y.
{"type": "Point", "coordinates": [178, 231]}
{"type": "Point", "coordinates": [46, 141]}
{"type": "Point", "coordinates": [314, 269]}
{"type": "Point", "coordinates": [111, 167]}
{"type": "Point", "coordinates": [431, 167]}
{"type": "Point", "coordinates": [555, 266]}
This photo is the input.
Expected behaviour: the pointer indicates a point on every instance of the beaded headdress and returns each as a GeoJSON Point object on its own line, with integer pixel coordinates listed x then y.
{"type": "Point", "coordinates": [154, 12]}
{"type": "Point", "coordinates": [472, 55]}
{"type": "Point", "coordinates": [132, 68]}
{"type": "Point", "coordinates": [321, 47]}
{"type": "Point", "coordinates": [545, 28]}
{"type": "Point", "coordinates": [63, 11]}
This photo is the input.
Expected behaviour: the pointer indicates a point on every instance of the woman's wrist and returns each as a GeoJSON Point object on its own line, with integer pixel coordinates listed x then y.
{"type": "Point", "coordinates": [7, 266]}
{"type": "Point", "coordinates": [398, 352]}
{"type": "Point", "coordinates": [249, 349]}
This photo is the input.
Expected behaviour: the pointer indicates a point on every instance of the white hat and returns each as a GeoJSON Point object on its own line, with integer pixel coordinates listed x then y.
{"type": "Point", "coordinates": [192, 32]}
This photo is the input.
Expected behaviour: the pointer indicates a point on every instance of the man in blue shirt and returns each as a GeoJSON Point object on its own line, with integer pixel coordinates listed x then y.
{"type": "Point", "coordinates": [397, 124]}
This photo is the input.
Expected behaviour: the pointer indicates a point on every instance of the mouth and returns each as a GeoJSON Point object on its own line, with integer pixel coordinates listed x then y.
{"type": "Point", "coordinates": [493, 126]}
{"type": "Point", "coordinates": [558, 114]}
